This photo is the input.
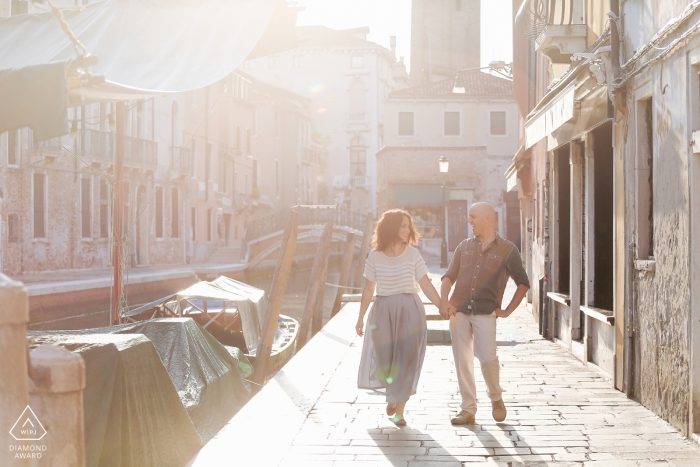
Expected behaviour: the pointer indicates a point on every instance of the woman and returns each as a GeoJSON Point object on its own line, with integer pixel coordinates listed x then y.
{"type": "Point", "coordinates": [393, 351]}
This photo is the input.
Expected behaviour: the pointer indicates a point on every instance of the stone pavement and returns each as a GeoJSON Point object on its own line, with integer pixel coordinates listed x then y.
{"type": "Point", "coordinates": [559, 413]}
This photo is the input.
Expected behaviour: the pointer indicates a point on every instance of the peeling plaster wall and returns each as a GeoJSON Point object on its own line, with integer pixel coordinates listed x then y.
{"type": "Point", "coordinates": [663, 308]}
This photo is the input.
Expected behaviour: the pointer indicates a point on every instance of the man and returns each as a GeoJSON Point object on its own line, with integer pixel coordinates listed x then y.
{"type": "Point", "coordinates": [480, 267]}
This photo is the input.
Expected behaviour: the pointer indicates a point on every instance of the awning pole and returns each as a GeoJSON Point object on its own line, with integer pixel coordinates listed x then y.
{"type": "Point", "coordinates": [117, 213]}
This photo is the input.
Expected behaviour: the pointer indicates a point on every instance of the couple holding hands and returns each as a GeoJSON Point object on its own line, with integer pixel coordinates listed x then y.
{"type": "Point", "coordinates": [396, 333]}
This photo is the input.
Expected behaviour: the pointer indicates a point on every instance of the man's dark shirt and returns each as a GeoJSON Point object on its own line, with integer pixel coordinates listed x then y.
{"type": "Point", "coordinates": [480, 277]}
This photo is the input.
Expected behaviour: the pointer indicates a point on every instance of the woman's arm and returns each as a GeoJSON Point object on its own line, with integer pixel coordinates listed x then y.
{"type": "Point", "coordinates": [429, 290]}
{"type": "Point", "coordinates": [367, 294]}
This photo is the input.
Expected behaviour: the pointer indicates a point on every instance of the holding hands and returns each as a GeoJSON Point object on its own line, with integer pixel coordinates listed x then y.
{"type": "Point", "coordinates": [447, 311]}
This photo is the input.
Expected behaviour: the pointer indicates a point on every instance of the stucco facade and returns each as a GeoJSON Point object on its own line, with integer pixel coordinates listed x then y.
{"type": "Point", "coordinates": [638, 96]}
{"type": "Point", "coordinates": [477, 131]}
{"type": "Point", "coordinates": [346, 78]}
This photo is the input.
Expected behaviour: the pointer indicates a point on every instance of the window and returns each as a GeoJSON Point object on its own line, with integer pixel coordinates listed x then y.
{"type": "Point", "coordinates": [159, 212]}
{"type": "Point", "coordinates": [277, 178]}
{"type": "Point", "coordinates": [225, 85]}
{"type": "Point", "coordinates": [247, 142]}
{"type": "Point", "coordinates": [193, 145]}
{"type": "Point", "coordinates": [12, 148]}
{"type": "Point", "coordinates": [209, 220]}
{"type": "Point", "coordinates": [239, 143]}
{"type": "Point", "coordinates": [193, 224]}
{"type": "Point", "coordinates": [356, 61]}
{"type": "Point", "coordinates": [357, 101]}
{"type": "Point", "coordinates": [208, 161]}
{"type": "Point", "coordinates": [255, 122]}
{"type": "Point", "coordinates": [498, 123]}
{"type": "Point", "coordinates": [39, 205]}
{"type": "Point", "coordinates": [104, 209]}
{"type": "Point", "coordinates": [255, 174]}
{"type": "Point", "coordinates": [406, 124]}
{"type": "Point", "coordinates": [358, 157]}
{"type": "Point", "coordinates": [223, 177]}
{"type": "Point", "coordinates": [249, 64]}
{"type": "Point", "coordinates": [175, 213]}
{"type": "Point", "coordinates": [452, 124]}
{"type": "Point", "coordinates": [273, 61]}
{"type": "Point", "coordinates": [13, 228]}
{"type": "Point", "coordinates": [86, 207]}
{"type": "Point", "coordinates": [298, 61]}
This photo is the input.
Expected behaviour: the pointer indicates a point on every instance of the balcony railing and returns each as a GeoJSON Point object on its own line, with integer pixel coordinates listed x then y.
{"type": "Point", "coordinates": [140, 151]}
{"type": "Point", "coordinates": [357, 117]}
{"type": "Point", "coordinates": [96, 144]}
{"type": "Point", "coordinates": [50, 145]}
{"type": "Point", "coordinates": [181, 159]}
{"type": "Point", "coordinates": [360, 181]}
{"type": "Point", "coordinates": [559, 26]}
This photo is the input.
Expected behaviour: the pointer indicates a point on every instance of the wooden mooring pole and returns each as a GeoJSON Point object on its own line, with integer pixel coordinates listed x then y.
{"type": "Point", "coordinates": [317, 282]}
{"type": "Point", "coordinates": [364, 250]}
{"type": "Point", "coordinates": [345, 268]}
{"type": "Point", "coordinates": [317, 320]}
{"type": "Point", "coordinates": [274, 304]}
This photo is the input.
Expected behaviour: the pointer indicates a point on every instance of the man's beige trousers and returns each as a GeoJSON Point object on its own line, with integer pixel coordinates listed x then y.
{"type": "Point", "coordinates": [475, 335]}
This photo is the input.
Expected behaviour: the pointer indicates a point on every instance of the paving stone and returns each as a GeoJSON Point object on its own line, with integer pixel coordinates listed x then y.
{"type": "Point", "coordinates": [560, 413]}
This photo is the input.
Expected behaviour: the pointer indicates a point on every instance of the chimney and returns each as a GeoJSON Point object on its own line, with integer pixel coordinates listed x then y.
{"type": "Point", "coordinates": [392, 42]}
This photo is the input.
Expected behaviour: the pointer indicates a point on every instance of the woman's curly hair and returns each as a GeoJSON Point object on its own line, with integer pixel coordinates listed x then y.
{"type": "Point", "coordinates": [386, 231]}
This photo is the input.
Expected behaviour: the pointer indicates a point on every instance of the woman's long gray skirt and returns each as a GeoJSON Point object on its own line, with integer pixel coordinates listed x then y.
{"type": "Point", "coordinates": [394, 346]}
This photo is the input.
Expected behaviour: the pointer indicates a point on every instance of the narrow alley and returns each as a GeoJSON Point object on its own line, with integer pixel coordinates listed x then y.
{"type": "Point", "coordinates": [560, 412]}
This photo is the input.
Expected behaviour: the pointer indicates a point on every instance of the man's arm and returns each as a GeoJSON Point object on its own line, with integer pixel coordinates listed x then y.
{"type": "Point", "coordinates": [446, 310]}
{"type": "Point", "coordinates": [514, 264]}
{"type": "Point", "coordinates": [450, 277]}
{"type": "Point", "coordinates": [514, 303]}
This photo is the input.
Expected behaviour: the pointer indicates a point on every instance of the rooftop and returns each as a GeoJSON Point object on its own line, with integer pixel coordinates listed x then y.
{"type": "Point", "coordinates": [475, 83]}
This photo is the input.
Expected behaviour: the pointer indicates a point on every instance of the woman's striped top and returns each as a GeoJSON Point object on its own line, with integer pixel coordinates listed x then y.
{"type": "Point", "coordinates": [395, 275]}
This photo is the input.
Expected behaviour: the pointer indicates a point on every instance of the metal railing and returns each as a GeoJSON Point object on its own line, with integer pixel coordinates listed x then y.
{"type": "Point", "coordinates": [360, 181]}
{"type": "Point", "coordinates": [96, 144]}
{"type": "Point", "coordinates": [357, 117]}
{"type": "Point", "coordinates": [181, 159]}
{"type": "Point", "coordinates": [308, 215]}
{"type": "Point", "coordinates": [535, 15]}
{"type": "Point", "coordinates": [140, 151]}
{"type": "Point", "coordinates": [49, 145]}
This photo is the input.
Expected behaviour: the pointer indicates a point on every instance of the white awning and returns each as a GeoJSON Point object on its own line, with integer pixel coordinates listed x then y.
{"type": "Point", "coordinates": [559, 111]}
{"type": "Point", "coordinates": [144, 48]}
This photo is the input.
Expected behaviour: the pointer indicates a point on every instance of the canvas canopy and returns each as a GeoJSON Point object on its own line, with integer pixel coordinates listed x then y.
{"type": "Point", "coordinates": [247, 300]}
{"type": "Point", "coordinates": [144, 48]}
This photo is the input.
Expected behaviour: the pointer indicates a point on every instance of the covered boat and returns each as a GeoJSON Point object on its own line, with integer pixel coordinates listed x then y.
{"type": "Point", "coordinates": [231, 311]}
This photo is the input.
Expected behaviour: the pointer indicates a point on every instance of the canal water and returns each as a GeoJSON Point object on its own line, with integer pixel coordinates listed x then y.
{"type": "Point", "coordinates": [297, 286]}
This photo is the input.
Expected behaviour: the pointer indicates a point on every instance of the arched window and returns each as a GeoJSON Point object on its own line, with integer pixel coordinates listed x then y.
{"type": "Point", "coordinates": [357, 101]}
{"type": "Point", "coordinates": [358, 157]}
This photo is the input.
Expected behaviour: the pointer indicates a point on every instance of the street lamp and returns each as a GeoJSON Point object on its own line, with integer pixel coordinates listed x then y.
{"type": "Point", "coordinates": [444, 165]}
{"type": "Point", "coordinates": [502, 68]}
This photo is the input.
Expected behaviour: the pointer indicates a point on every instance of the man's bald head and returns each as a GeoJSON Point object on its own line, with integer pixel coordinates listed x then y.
{"type": "Point", "coordinates": [482, 218]}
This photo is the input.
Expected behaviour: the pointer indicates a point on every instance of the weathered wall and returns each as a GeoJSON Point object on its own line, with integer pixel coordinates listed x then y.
{"type": "Point", "coordinates": [662, 297]}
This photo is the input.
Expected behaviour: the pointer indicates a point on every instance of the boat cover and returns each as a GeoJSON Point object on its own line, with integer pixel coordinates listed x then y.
{"type": "Point", "coordinates": [156, 390]}
{"type": "Point", "coordinates": [249, 301]}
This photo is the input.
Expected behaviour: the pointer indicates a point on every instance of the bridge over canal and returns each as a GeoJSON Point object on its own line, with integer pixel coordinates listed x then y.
{"type": "Point", "coordinates": [263, 237]}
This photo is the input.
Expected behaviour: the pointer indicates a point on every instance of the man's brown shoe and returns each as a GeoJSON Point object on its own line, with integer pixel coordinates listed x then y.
{"type": "Point", "coordinates": [498, 410]}
{"type": "Point", "coordinates": [463, 418]}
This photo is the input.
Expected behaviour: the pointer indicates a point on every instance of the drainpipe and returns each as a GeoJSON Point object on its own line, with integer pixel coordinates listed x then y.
{"type": "Point", "coordinates": [630, 325]}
